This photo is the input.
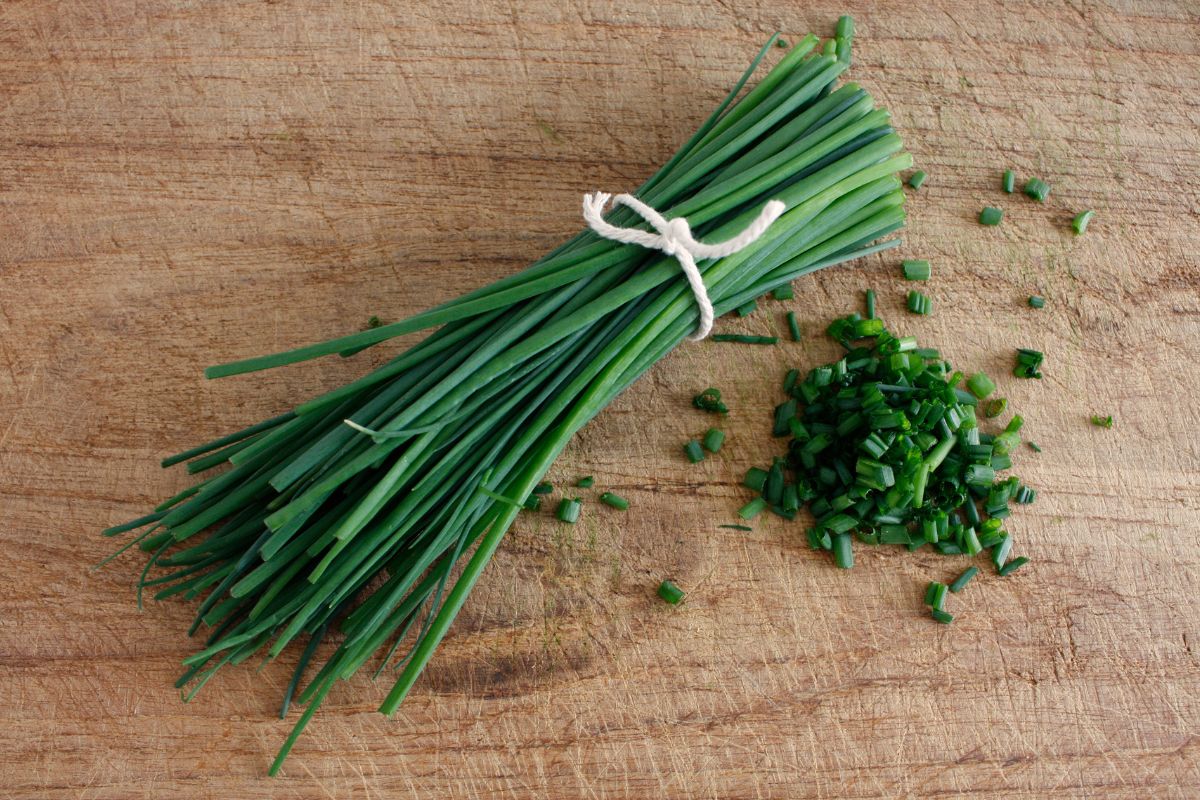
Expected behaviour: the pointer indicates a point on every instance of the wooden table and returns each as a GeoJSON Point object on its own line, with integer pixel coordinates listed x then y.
{"type": "Point", "coordinates": [184, 183]}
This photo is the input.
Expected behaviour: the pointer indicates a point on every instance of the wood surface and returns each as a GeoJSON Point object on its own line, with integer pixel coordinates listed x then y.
{"type": "Point", "coordinates": [185, 183]}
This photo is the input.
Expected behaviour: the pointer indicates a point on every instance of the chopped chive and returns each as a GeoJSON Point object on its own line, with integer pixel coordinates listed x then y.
{"type": "Point", "coordinates": [1013, 566]}
{"type": "Point", "coordinates": [614, 500]}
{"type": "Point", "coordinates": [870, 302]}
{"type": "Point", "coordinates": [843, 551]}
{"type": "Point", "coordinates": [374, 322]}
{"type": "Point", "coordinates": [710, 400]}
{"type": "Point", "coordinates": [756, 479]}
{"type": "Point", "coordinates": [1033, 446]}
{"type": "Point", "coordinates": [1036, 301]}
{"type": "Point", "coordinates": [980, 385]}
{"type": "Point", "coordinates": [845, 27]}
{"type": "Point", "coordinates": [670, 592]}
{"type": "Point", "coordinates": [941, 616]}
{"type": "Point", "coordinates": [693, 452]}
{"type": "Point", "coordinates": [585, 482]}
{"type": "Point", "coordinates": [1009, 181]}
{"type": "Point", "coordinates": [789, 380]}
{"type": "Point", "coordinates": [753, 508]}
{"type": "Point", "coordinates": [1037, 188]}
{"type": "Point", "coordinates": [995, 407]}
{"type": "Point", "coordinates": [916, 269]}
{"type": "Point", "coordinates": [783, 292]}
{"type": "Point", "coordinates": [990, 215]}
{"type": "Point", "coordinates": [742, 338]}
{"type": "Point", "coordinates": [543, 488]}
{"type": "Point", "coordinates": [737, 527]}
{"type": "Point", "coordinates": [829, 48]}
{"type": "Point", "coordinates": [1029, 363]}
{"type": "Point", "coordinates": [1102, 422]}
{"type": "Point", "coordinates": [938, 595]}
{"type": "Point", "coordinates": [917, 179]}
{"type": "Point", "coordinates": [533, 502]}
{"type": "Point", "coordinates": [793, 326]}
{"type": "Point", "coordinates": [568, 509]}
{"type": "Point", "coordinates": [1080, 223]}
{"type": "Point", "coordinates": [713, 439]}
{"type": "Point", "coordinates": [930, 592]}
{"type": "Point", "coordinates": [919, 303]}
{"type": "Point", "coordinates": [747, 308]}
{"type": "Point", "coordinates": [963, 579]}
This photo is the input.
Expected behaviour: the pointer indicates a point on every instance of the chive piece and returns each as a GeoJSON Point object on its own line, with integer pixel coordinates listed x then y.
{"type": "Point", "coordinates": [783, 413]}
{"type": "Point", "coordinates": [930, 591]}
{"type": "Point", "coordinates": [843, 551]}
{"type": "Point", "coordinates": [568, 509]}
{"type": "Point", "coordinates": [533, 502]}
{"type": "Point", "coordinates": [1029, 363]}
{"type": "Point", "coordinates": [1009, 181]}
{"type": "Point", "coordinates": [710, 400]}
{"type": "Point", "coordinates": [1037, 301]}
{"type": "Point", "coordinates": [586, 482]}
{"type": "Point", "coordinates": [753, 508]}
{"type": "Point", "coordinates": [374, 322]}
{"type": "Point", "coordinates": [737, 527]}
{"type": "Point", "coordinates": [713, 439]}
{"type": "Point", "coordinates": [1013, 566]}
{"type": "Point", "coordinates": [784, 292]}
{"type": "Point", "coordinates": [995, 407]}
{"type": "Point", "coordinates": [941, 616]}
{"type": "Point", "coordinates": [845, 27]}
{"type": "Point", "coordinates": [1033, 446]}
{"type": "Point", "coordinates": [917, 179]}
{"type": "Point", "coordinates": [990, 215]}
{"type": "Point", "coordinates": [916, 269]}
{"type": "Point", "coordinates": [938, 598]}
{"type": "Point", "coordinates": [748, 308]}
{"type": "Point", "coordinates": [693, 452]}
{"type": "Point", "coordinates": [1080, 223]}
{"type": "Point", "coordinates": [980, 385]}
{"type": "Point", "coordinates": [1102, 422]}
{"type": "Point", "coordinates": [543, 488]}
{"type": "Point", "coordinates": [670, 592]}
{"type": "Point", "coordinates": [963, 579]}
{"type": "Point", "coordinates": [870, 303]}
{"type": "Point", "coordinates": [742, 338]}
{"type": "Point", "coordinates": [614, 500]}
{"type": "Point", "coordinates": [793, 326]}
{"type": "Point", "coordinates": [789, 380]}
{"type": "Point", "coordinates": [1037, 188]}
{"type": "Point", "coordinates": [756, 479]}
{"type": "Point", "coordinates": [829, 48]}
{"type": "Point", "coordinates": [919, 303]}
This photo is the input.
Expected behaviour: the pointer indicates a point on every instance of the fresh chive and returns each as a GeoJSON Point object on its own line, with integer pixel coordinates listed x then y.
{"type": "Point", "coordinates": [963, 579]}
{"type": "Point", "coordinates": [995, 407]}
{"type": "Point", "coordinates": [917, 179]}
{"type": "Point", "coordinates": [568, 509]}
{"type": "Point", "coordinates": [533, 502]}
{"type": "Point", "coordinates": [710, 400]}
{"type": "Point", "coordinates": [713, 439]}
{"type": "Point", "coordinates": [543, 488]}
{"type": "Point", "coordinates": [1013, 566]}
{"type": "Point", "coordinates": [753, 508]}
{"type": "Point", "coordinates": [1036, 301]}
{"type": "Point", "coordinates": [693, 451]}
{"type": "Point", "coordinates": [756, 479]}
{"type": "Point", "coordinates": [670, 592]}
{"type": "Point", "coordinates": [1009, 181]}
{"type": "Point", "coordinates": [742, 338]}
{"type": "Point", "coordinates": [845, 27]}
{"type": "Point", "coordinates": [784, 292]}
{"type": "Point", "coordinates": [1102, 421]}
{"type": "Point", "coordinates": [1038, 189]}
{"type": "Point", "coordinates": [1029, 363]}
{"type": "Point", "coordinates": [916, 269]}
{"type": "Point", "coordinates": [870, 303]}
{"type": "Point", "coordinates": [737, 527]}
{"type": "Point", "coordinates": [843, 551]}
{"type": "Point", "coordinates": [614, 500]}
{"type": "Point", "coordinates": [1080, 223]}
{"type": "Point", "coordinates": [586, 482]}
{"type": "Point", "coordinates": [941, 616]}
{"type": "Point", "coordinates": [937, 597]}
{"type": "Point", "coordinates": [990, 215]}
{"type": "Point", "coordinates": [1033, 446]}
{"type": "Point", "coordinates": [980, 385]}
{"type": "Point", "coordinates": [793, 326]}
{"type": "Point", "coordinates": [748, 308]}
{"type": "Point", "coordinates": [919, 303]}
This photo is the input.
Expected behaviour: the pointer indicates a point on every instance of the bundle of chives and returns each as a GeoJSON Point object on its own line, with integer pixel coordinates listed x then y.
{"type": "Point", "coordinates": [353, 510]}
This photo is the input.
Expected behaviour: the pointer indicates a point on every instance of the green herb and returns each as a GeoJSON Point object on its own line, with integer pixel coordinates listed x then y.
{"type": "Point", "coordinates": [710, 400]}
{"type": "Point", "coordinates": [568, 509]}
{"type": "Point", "coordinates": [783, 292]}
{"type": "Point", "coordinates": [1008, 181]}
{"type": "Point", "coordinates": [915, 270]}
{"type": "Point", "coordinates": [843, 551]}
{"type": "Point", "coordinates": [1038, 189]}
{"type": "Point", "coordinates": [713, 439]}
{"type": "Point", "coordinates": [614, 500]}
{"type": "Point", "coordinates": [980, 385]}
{"type": "Point", "coordinates": [995, 407]}
{"type": "Point", "coordinates": [1036, 301]}
{"type": "Point", "coordinates": [753, 508]}
{"type": "Point", "coordinates": [963, 579]}
{"type": "Point", "coordinates": [543, 488]}
{"type": "Point", "coordinates": [990, 215]}
{"type": "Point", "coordinates": [919, 303]}
{"type": "Point", "coordinates": [870, 304]}
{"type": "Point", "coordinates": [1029, 363]}
{"type": "Point", "coordinates": [693, 452]}
{"type": "Point", "coordinates": [1102, 422]}
{"type": "Point", "coordinates": [379, 527]}
{"type": "Point", "coordinates": [1013, 566]}
{"type": "Point", "coordinates": [1034, 447]}
{"type": "Point", "coordinates": [670, 592]}
{"type": "Point", "coordinates": [747, 308]}
{"type": "Point", "coordinates": [941, 616]}
{"type": "Point", "coordinates": [917, 179]}
{"type": "Point", "coordinates": [533, 502]}
{"type": "Point", "coordinates": [737, 527]}
{"type": "Point", "coordinates": [742, 338]}
{"type": "Point", "coordinates": [1080, 223]}
{"type": "Point", "coordinates": [793, 326]}
{"type": "Point", "coordinates": [373, 322]}
{"type": "Point", "coordinates": [585, 482]}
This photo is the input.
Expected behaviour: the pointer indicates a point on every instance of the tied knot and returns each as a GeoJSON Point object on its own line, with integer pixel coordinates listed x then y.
{"type": "Point", "coordinates": [674, 238]}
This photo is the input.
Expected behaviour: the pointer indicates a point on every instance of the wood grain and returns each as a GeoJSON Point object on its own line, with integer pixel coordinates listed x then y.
{"type": "Point", "coordinates": [185, 183]}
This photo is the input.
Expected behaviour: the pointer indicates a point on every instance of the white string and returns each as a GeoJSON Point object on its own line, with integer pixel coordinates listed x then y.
{"type": "Point", "coordinates": [674, 238]}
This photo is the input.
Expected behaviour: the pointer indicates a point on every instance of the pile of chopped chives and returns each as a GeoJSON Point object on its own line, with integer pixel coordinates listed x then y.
{"type": "Point", "coordinates": [886, 448]}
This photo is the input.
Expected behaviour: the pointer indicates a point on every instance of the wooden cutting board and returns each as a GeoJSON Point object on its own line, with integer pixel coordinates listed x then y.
{"type": "Point", "coordinates": [185, 183]}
